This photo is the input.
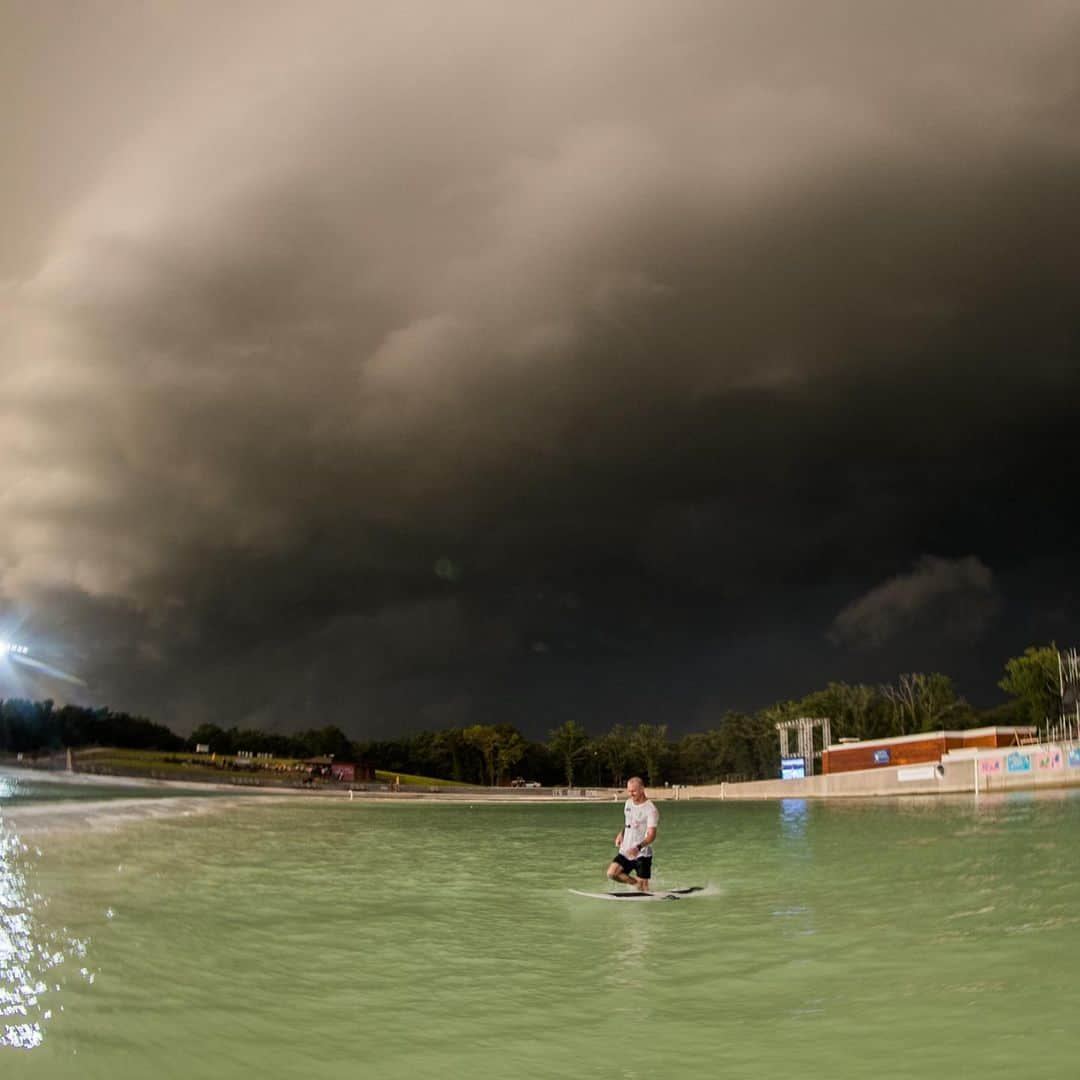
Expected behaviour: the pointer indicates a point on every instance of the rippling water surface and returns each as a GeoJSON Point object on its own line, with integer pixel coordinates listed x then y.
{"type": "Point", "coordinates": [315, 938]}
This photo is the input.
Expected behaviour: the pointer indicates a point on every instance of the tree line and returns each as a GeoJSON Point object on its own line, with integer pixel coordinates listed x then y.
{"type": "Point", "coordinates": [742, 746]}
{"type": "Point", "coordinates": [35, 726]}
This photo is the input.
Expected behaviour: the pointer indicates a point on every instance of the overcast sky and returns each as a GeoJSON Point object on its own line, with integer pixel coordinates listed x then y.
{"type": "Point", "coordinates": [404, 365]}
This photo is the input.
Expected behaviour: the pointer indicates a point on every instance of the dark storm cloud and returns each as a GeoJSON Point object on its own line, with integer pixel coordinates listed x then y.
{"type": "Point", "coordinates": [656, 329]}
{"type": "Point", "coordinates": [951, 596]}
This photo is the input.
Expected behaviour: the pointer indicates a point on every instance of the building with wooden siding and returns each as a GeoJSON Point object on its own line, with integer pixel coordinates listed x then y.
{"type": "Point", "coordinates": [924, 748]}
{"type": "Point", "coordinates": [346, 772]}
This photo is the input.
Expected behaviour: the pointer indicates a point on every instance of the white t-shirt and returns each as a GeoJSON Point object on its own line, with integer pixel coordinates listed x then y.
{"type": "Point", "coordinates": [640, 818]}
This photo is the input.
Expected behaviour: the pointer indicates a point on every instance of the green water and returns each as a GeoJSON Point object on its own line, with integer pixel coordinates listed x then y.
{"type": "Point", "coordinates": [324, 939]}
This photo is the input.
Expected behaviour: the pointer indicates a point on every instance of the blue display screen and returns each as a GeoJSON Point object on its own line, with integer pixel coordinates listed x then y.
{"type": "Point", "coordinates": [792, 768]}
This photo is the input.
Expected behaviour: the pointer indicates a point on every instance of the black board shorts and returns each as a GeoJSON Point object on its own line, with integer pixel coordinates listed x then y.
{"type": "Point", "coordinates": [642, 864]}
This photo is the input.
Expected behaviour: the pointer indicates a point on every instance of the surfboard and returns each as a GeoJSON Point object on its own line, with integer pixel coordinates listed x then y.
{"type": "Point", "coordinates": [637, 894]}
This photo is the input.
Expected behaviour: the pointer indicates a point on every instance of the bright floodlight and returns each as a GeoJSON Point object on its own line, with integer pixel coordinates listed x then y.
{"type": "Point", "coordinates": [11, 647]}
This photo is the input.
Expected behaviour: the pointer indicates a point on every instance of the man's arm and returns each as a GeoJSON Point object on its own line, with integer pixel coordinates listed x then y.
{"type": "Point", "coordinates": [650, 836]}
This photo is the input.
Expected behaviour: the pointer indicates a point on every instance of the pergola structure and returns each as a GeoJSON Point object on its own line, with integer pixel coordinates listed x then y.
{"type": "Point", "coordinates": [804, 728]}
{"type": "Point", "coordinates": [1069, 684]}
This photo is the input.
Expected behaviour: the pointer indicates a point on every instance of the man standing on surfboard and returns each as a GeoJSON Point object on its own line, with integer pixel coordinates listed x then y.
{"type": "Point", "coordinates": [635, 838]}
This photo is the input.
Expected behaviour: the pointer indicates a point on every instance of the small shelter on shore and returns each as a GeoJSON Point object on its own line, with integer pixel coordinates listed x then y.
{"type": "Point", "coordinates": [346, 772]}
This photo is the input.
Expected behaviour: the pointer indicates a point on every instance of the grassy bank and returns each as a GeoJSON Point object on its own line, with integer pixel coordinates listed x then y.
{"type": "Point", "coordinates": [407, 780]}
{"type": "Point", "coordinates": [213, 768]}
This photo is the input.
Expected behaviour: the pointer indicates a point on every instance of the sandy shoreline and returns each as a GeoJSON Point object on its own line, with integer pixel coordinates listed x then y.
{"type": "Point", "coordinates": [194, 797]}
{"type": "Point", "coordinates": [45, 776]}
{"type": "Point", "coordinates": [38, 816]}
{"type": "Point", "coordinates": [104, 814]}
{"type": "Point", "coordinates": [518, 795]}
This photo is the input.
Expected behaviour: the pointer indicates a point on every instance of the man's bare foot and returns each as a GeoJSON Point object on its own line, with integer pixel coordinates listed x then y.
{"type": "Point", "coordinates": [642, 886]}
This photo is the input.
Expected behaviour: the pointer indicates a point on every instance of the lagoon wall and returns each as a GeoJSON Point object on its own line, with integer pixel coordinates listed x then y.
{"type": "Point", "coordinates": [965, 771]}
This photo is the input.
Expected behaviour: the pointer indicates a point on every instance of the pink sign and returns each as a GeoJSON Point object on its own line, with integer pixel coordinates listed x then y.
{"type": "Point", "coordinates": [990, 765]}
{"type": "Point", "coordinates": [1049, 759]}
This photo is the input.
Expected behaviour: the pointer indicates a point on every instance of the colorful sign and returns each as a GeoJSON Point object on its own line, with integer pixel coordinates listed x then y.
{"type": "Point", "coordinates": [1019, 763]}
{"type": "Point", "coordinates": [882, 757]}
{"type": "Point", "coordinates": [1074, 757]}
{"type": "Point", "coordinates": [990, 766]}
{"type": "Point", "coordinates": [1048, 759]}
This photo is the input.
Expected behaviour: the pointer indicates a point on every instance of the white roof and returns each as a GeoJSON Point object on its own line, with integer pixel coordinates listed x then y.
{"type": "Point", "coordinates": [921, 736]}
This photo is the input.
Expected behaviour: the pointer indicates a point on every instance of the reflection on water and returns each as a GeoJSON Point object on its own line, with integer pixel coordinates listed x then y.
{"type": "Point", "coordinates": [793, 815]}
{"type": "Point", "coordinates": [27, 951]}
{"type": "Point", "coordinates": [631, 949]}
